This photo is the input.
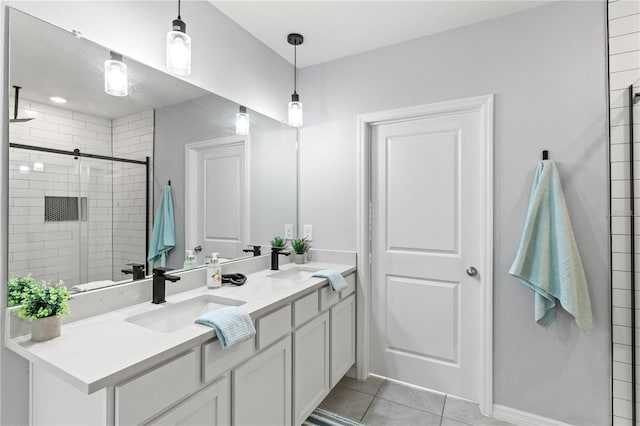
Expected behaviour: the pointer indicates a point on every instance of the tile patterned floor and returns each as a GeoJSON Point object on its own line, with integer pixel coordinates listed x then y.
{"type": "Point", "coordinates": [377, 401]}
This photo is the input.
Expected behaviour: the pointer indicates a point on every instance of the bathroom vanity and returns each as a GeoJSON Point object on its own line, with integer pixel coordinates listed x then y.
{"type": "Point", "coordinates": [116, 369]}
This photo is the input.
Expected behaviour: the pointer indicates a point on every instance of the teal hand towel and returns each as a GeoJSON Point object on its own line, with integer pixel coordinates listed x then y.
{"type": "Point", "coordinates": [335, 278]}
{"type": "Point", "coordinates": [230, 323]}
{"type": "Point", "coordinates": [163, 237]}
{"type": "Point", "coordinates": [548, 260]}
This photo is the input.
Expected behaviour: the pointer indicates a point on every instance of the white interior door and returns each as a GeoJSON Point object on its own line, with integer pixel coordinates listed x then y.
{"type": "Point", "coordinates": [216, 201]}
{"type": "Point", "coordinates": [427, 230]}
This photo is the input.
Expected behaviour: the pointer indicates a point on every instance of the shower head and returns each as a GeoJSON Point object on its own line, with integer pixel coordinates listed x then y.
{"type": "Point", "coordinates": [15, 118]}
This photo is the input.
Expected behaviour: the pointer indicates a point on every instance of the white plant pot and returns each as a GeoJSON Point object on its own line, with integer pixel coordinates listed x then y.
{"type": "Point", "coordinates": [299, 258]}
{"type": "Point", "coordinates": [45, 328]}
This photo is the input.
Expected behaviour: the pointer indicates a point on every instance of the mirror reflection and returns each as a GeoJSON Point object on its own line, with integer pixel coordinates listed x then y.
{"type": "Point", "coordinates": [86, 175]}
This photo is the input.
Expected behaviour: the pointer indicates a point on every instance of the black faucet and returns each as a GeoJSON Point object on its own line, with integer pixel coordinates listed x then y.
{"type": "Point", "coordinates": [137, 270]}
{"type": "Point", "coordinates": [275, 253]}
{"type": "Point", "coordinates": [255, 250]}
{"type": "Point", "coordinates": [159, 278]}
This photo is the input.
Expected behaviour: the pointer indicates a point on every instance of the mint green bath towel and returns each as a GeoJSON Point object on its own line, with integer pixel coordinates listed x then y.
{"type": "Point", "coordinates": [548, 260]}
{"type": "Point", "coordinates": [163, 238]}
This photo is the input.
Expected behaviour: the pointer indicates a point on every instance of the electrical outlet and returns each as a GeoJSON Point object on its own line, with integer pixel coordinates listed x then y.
{"type": "Point", "coordinates": [288, 231]}
{"type": "Point", "coordinates": [308, 232]}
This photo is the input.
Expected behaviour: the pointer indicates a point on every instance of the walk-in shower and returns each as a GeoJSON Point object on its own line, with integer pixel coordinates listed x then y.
{"type": "Point", "coordinates": [76, 216]}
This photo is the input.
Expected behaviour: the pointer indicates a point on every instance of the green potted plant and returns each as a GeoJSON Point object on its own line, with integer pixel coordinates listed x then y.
{"type": "Point", "coordinates": [16, 288]}
{"type": "Point", "coordinates": [43, 305]}
{"type": "Point", "coordinates": [278, 242]}
{"type": "Point", "coordinates": [300, 248]}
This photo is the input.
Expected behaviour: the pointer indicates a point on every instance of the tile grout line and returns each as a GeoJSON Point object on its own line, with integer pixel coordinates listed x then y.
{"type": "Point", "coordinates": [443, 405]}
{"type": "Point", "coordinates": [374, 398]}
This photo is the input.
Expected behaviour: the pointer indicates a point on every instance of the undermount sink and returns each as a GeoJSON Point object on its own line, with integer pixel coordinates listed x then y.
{"type": "Point", "coordinates": [297, 273]}
{"type": "Point", "coordinates": [174, 316]}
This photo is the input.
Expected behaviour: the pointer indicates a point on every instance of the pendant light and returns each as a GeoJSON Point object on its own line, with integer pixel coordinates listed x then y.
{"type": "Point", "coordinates": [115, 76]}
{"type": "Point", "coordinates": [179, 47]}
{"type": "Point", "coordinates": [242, 122]}
{"type": "Point", "coordinates": [295, 106]}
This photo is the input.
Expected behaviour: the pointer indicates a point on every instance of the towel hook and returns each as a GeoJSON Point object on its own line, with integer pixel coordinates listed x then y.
{"type": "Point", "coordinates": [545, 155]}
{"type": "Point", "coordinates": [169, 182]}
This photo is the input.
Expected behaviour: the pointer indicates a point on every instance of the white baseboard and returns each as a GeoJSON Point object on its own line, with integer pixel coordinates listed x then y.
{"type": "Point", "coordinates": [522, 418]}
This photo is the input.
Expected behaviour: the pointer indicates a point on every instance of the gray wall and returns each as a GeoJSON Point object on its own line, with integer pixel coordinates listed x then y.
{"type": "Point", "coordinates": [272, 164]}
{"type": "Point", "coordinates": [226, 60]}
{"type": "Point", "coordinates": [547, 68]}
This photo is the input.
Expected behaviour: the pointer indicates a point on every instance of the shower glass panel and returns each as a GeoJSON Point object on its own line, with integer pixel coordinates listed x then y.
{"type": "Point", "coordinates": [75, 218]}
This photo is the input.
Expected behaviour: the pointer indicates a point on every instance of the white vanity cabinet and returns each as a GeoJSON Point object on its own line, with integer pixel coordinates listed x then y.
{"type": "Point", "coordinates": [343, 337]}
{"type": "Point", "coordinates": [262, 388]}
{"type": "Point", "coordinates": [302, 348]}
{"type": "Point", "coordinates": [311, 366]}
{"type": "Point", "coordinates": [210, 406]}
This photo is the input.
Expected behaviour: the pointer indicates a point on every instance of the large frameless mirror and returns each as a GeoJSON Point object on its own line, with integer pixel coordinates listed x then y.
{"type": "Point", "coordinates": [86, 175]}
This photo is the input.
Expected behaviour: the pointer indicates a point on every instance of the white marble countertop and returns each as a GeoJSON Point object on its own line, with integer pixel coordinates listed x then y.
{"type": "Point", "coordinates": [105, 349]}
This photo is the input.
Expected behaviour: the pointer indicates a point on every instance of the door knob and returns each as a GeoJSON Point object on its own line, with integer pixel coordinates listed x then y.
{"type": "Point", "coordinates": [471, 271]}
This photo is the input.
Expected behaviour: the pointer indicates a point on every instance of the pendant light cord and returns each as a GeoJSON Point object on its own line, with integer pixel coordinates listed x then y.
{"type": "Point", "coordinates": [295, 68]}
{"type": "Point", "coordinates": [179, 10]}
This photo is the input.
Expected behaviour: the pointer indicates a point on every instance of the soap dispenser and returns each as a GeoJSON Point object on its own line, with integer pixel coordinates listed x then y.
{"type": "Point", "coordinates": [189, 260]}
{"type": "Point", "coordinates": [214, 272]}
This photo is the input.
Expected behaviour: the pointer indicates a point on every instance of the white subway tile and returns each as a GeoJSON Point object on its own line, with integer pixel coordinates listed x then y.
{"type": "Point", "coordinates": [621, 334]}
{"type": "Point", "coordinates": [622, 353]}
{"type": "Point", "coordinates": [50, 136]}
{"type": "Point", "coordinates": [623, 8]}
{"type": "Point", "coordinates": [91, 119]}
{"type": "Point", "coordinates": [126, 119]}
{"type": "Point", "coordinates": [619, 171]}
{"type": "Point", "coordinates": [622, 79]}
{"type": "Point", "coordinates": [625, 25]}
{"type": "Point", "coordinates": [620, 279]}
{"type": "Point", "coordinates": [617, 420]}
{"type": "Point", "coordinates": [624, 61]}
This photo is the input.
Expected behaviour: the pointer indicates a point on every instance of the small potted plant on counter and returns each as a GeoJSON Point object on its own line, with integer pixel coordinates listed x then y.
{"type": "Point", "coordinates": [300, 248]}
{"type": "Point", "coordinates": [16, 288]}
{"type": "Point", "coordinates": [43, 305]}
{"type": "Point", "coordinates": [278, 242]}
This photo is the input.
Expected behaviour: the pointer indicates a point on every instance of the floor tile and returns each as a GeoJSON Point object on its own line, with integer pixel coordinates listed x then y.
{"type": "Point", "coordinates": [347, 402]}
{"type": "Point", "coordinates": [421, 399]}
{"type": "Point", "coordinates": [387, 413]}
{"type": "Point", "coordinates": [370, 386]}
{"type": "Point", "coordinates": [450, 422]}
{"type": "Point", "coordinates": [467, 412]}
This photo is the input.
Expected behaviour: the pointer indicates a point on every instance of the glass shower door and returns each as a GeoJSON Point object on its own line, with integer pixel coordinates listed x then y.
{"type": "Point", "coordinates": [44, 216]}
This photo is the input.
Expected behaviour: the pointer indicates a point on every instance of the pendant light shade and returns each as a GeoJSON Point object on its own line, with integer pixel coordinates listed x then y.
{"type": "Point", "coordinates": [178, 47]}
{"type": "Point", "coordinates": [242, 122]}
{"type": "Point", "coordinates": [295, 106]}
{"type": "Point", "coordinates": [115, 76]}
{"type": "Point", "coordinates": [295, 111]}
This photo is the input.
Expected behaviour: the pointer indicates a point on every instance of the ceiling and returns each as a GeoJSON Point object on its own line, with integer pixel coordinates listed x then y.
{"type": "Point", "coordinates": [48, 61]}
{"type": "Point", "coordinates": [335, 29]}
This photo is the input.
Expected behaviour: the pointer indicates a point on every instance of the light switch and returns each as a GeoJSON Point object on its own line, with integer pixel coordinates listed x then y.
{"type": "Point", "coordinates": [288, 231]}
{"type": "Point", "coordinates": [308, 232]}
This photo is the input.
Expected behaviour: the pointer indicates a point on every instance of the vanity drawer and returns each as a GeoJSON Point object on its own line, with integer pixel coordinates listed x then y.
{"type": "Point", "coordinates": [150, 393]}
{"type": "Point", "coordinates": [328, 297]}
{"type": "Point", "coordinates": [351, 286]}
{"type": "Point", "coordinates": [305, 308]}
{"type": "Point", "coordinates": [273, 326]}
{"type": "Point", "coordinates": [216, 360]}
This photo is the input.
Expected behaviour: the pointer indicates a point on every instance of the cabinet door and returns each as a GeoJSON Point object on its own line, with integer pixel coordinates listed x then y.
{"type": "Point", "coordinates": [310, 366]}
{"type": "Point", "coordinates": [343, 338]}
{"type": "Point", "coordinates": [262, 388]}
{"type": "Point", "coordinates": [210, 407]}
